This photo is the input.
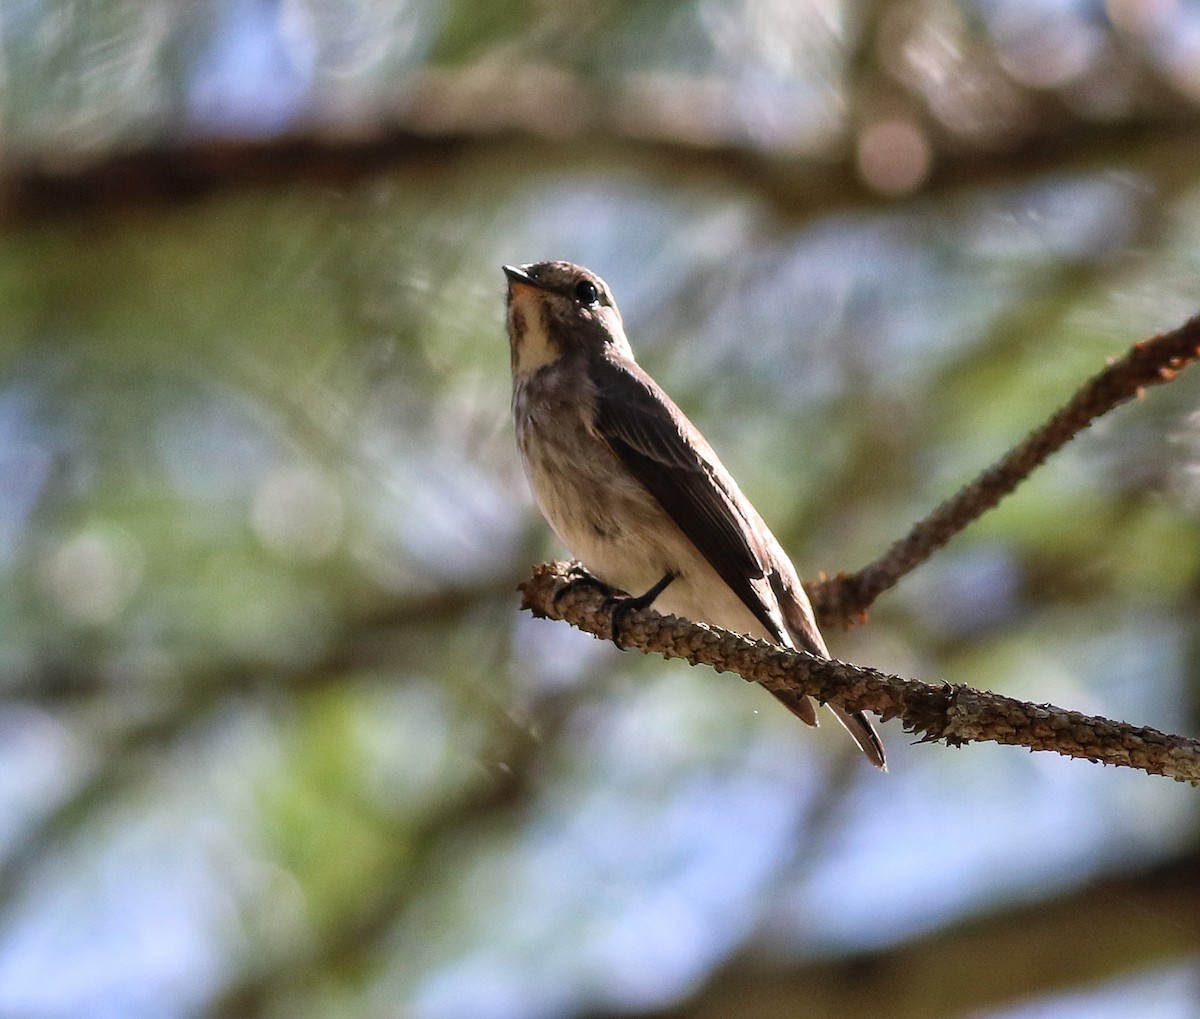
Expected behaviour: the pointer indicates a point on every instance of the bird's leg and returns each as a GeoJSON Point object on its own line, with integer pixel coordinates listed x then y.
{"type": "Point", "coordinates": [581, 578]}
{"type": "Point", "coordinates": [621, 607]}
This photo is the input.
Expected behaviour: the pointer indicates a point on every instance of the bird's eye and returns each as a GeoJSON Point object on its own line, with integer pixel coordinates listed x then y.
{"type": "Point", "coordinates": [586, 292]}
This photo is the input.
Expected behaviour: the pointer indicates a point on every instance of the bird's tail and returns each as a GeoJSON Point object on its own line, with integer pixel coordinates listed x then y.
{"type": "Point", "coordinates": [855, 723]}
{"type": "Point", "coordinates": [804, 635]}
{"type": "Point", "coordinates": [860, 727]}
{"type": "Point", "coordinates": [798, 705]}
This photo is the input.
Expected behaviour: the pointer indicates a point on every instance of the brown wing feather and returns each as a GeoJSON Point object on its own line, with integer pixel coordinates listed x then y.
{"type": "Point", "coordinates": [647, 432]}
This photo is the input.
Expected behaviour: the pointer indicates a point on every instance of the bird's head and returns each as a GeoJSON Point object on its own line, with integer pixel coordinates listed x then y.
{"type": "Point", "coordinates": [556, 310]}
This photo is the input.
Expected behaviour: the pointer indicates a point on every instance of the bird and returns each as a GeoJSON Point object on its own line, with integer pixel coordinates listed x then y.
{"type": "Point", "coordinates": [631, 487]}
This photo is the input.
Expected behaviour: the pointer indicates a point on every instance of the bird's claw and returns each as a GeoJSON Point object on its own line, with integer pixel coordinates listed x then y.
{"type": "Point", "coordinates": [581, 578]}
{"type": "Point", "coordinates": [621, 606]}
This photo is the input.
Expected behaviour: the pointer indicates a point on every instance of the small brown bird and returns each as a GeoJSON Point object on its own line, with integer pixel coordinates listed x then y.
{"type": "Point", "coordinates": [630, 485]}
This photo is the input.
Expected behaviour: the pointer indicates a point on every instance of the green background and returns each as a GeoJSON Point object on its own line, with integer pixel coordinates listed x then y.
{"type": "Point", "coordinates": [275, 739]}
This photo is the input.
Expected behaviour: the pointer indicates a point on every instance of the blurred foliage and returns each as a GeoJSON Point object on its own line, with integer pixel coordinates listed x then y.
{"type": "Point", "coordinates": [274, 738]}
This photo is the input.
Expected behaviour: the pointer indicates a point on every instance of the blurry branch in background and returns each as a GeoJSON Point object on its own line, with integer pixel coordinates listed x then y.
{"type": "Point", "coordinates": [447, 115]}
{"type": "Point", "coordinates": [954, 713]}
{"type": "Point", "coordinates": [417, 851]}
{"type": "Point", "coordinates": [132, 750]}
{"type": "Point", "coordinates": [846, 597]}
{"type": "Point", "coordinates": [903, 93]}
{"type": "Point", "coordinates": [1101, 931]}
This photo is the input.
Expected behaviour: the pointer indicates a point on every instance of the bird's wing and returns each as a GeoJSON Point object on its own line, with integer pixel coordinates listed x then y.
{"type": "Point", "coordinates": [645, 429]}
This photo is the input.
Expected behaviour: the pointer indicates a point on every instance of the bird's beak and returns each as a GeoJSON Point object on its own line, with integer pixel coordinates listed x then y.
{"type": "Point", "coordinates": [516, 274]}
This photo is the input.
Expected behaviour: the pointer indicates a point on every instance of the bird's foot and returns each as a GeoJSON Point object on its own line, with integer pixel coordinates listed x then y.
{"type": "Point", "coordinates": [621, 606]}
{"type": "Point", "coordinates": [581, 578]}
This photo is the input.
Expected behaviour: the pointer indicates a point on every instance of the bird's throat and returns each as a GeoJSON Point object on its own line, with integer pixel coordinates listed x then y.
{"type": "Point", "coordinates": [532, 346]}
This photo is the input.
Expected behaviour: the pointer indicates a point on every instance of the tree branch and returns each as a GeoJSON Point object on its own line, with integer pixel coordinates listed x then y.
{"type": "Point", "coordinates": [1159, 359]}
{"type": "Point", "coordinates": [954, 713]}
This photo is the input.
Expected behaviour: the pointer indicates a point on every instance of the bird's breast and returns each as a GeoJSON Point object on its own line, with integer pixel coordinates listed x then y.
{"type": "Point", "coordinates": [604, 516]}
{"type": "Point", "coordinates": [607, 518]}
